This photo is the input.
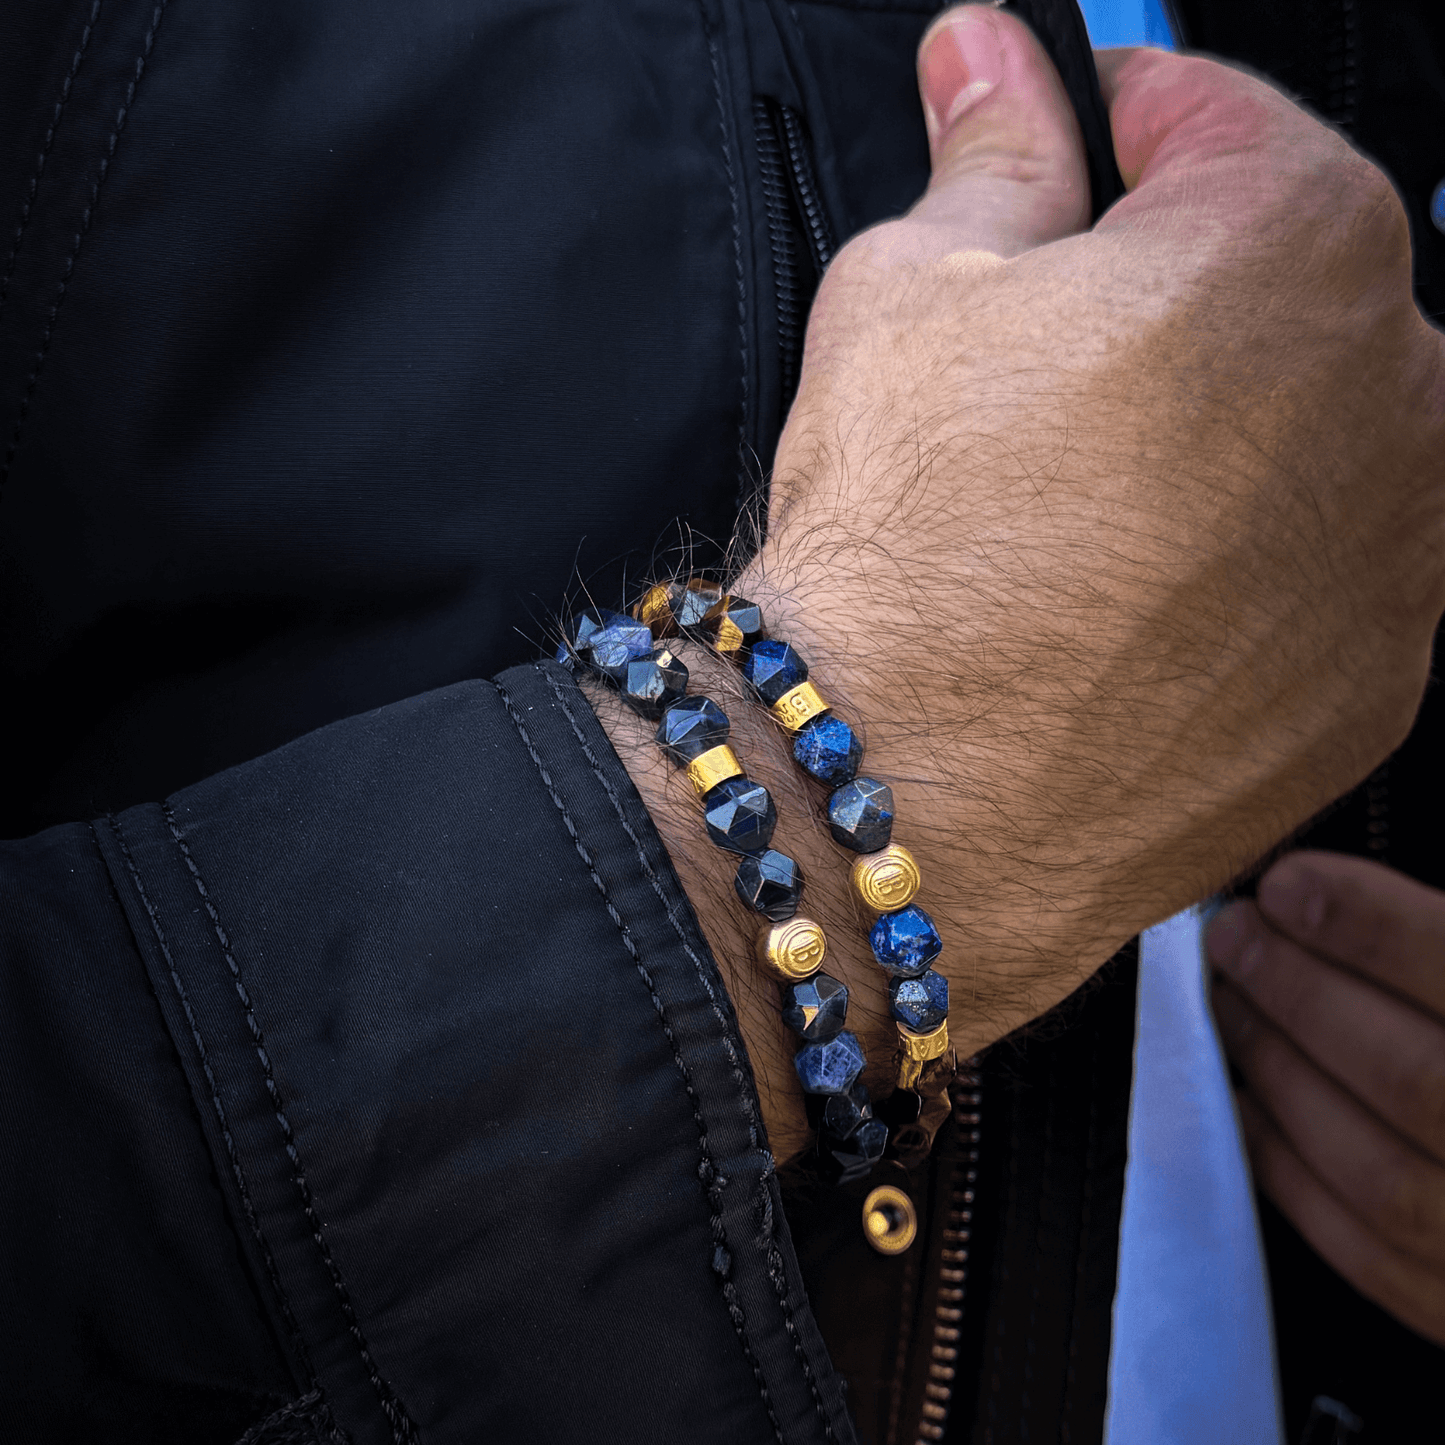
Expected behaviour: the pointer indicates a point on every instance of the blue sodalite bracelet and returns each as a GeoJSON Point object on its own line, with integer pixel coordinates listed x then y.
{"type": "Point", "coordinates": [885, 876]}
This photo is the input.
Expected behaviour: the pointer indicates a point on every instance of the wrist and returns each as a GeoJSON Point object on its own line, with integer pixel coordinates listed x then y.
{"type": "Point", "coordinates": [732, 930]}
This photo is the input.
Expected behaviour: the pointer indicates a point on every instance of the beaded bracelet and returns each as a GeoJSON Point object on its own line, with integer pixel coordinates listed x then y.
{"type": "Point", "coordinates": [740, 816]}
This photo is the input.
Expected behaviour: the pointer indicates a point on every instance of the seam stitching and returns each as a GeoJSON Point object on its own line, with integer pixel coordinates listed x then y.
{"type": "Point", "coordinates": [713, 1182]}
{"type": "Point", "coordinates": [86, 215]}
{"type": "Point", "coordinates": [776, 1269]}
{"type": "Point", "coordinates": [34, 187]}
{"type": "Point", "coordinates": [745, 477]}
{"type": "Point", "coordinates": [247, 1205]}
{"type": "Point", "coordinates": [402, 1429]}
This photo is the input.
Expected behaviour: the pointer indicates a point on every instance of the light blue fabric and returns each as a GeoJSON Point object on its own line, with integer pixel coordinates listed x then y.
{"type": "Point", "coordinates": [1192, 1358]}
{"type": "Point", "coordinates": [1127, 22]}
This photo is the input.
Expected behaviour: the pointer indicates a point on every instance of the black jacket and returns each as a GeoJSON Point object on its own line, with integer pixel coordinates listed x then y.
{"type": "Point", "coordinates": [378, 1085]}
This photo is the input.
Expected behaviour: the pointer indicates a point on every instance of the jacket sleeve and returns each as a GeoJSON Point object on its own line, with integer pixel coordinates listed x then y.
{"type": "Point", "coordinates": [389, 1074]}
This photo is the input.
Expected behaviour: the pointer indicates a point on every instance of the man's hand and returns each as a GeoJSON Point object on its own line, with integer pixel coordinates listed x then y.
{"type": "Point", "coordinates": [1333, 1010]}
{"type": "Point", "coordinates": [1124, 546]}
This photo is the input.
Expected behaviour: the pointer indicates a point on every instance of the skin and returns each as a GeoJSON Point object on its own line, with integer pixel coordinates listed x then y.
{"type": "Point", "coordinates": [1331, 1003]}
{"type": "Point", "coordinates": [1121, 546]}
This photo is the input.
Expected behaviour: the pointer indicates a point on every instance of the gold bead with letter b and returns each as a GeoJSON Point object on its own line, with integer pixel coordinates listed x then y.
{"type": "Point", "coordinates": [887, 880]}
{"type": "Point", "coordinates": [792, 951]}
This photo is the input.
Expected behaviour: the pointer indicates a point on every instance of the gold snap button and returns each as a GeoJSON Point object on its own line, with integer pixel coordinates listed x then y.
{"type": "Point", "coordinates": [890, 1222]}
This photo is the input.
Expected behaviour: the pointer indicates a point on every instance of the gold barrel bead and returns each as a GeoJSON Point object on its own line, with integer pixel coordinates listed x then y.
{"type": "Point", "coordinates": [888, 879]}
{"type": "Point", "coordinates": [729, 637]}
{"type": "Point", "coordinates": [799, 705]}
{"type": "Point", "coordinates": [655, 610]}
{"type": "Point", "coordinates": [915, 1051]}
{"type": "Point", "coordinates": [890, 1222]}
{"type": "Point", "coordinates": [792, 951]}
{"type": "Point", "coordinates": [714, 766]}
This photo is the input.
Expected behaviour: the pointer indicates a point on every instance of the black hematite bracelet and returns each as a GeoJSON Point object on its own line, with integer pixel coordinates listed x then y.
{"type": "Point", "coordinates": [740, 816]}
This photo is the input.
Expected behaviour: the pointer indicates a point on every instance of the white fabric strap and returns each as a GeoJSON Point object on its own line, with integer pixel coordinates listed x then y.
{"type": "Point", "coordinates": [1192, 1356]}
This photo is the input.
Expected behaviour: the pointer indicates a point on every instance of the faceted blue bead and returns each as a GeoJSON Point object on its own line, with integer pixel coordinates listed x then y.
{"type": "Point", "coordinates": [740, 815]}
{"type": "Point", "coordinates": [921, 1003]}
{"type": "Point", "coordinates": [610, 649]}
{"type": "Point", "coordinates": [843, 1113]}
{"type": "Point", "coordinates": [770, 883]}
{"type": "Point", "coordinates": [906, 942]}
{"type": "Point", "coordinates": [773, 668]}
{"type": "Point", "coordinates": [828, 748]}
{"type": "Point", "coordinates": [816, 1008]}
{"type": "Point", "coordinates": [589, 621]}
{"type": "Point", "coordinates": [653, 683]}
{"type": "Point", "coordinates": [690, 727]}
{"type": "Point", "coordinates": [860, 815]}
{"type": "Point", "coordinates": [565, 656]}
{"type": "Point", "coordinates": [830, 1068]}
{"type": "Point", "coordinates": [846, 1160]}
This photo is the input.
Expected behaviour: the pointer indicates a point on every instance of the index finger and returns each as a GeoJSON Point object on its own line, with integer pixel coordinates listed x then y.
{"type": "Point", "coordinates": [1187, 119]}
{"type": "Point", "coordinates": [1365, 916]}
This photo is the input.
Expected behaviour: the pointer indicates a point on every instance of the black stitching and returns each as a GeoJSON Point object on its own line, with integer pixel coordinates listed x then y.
{"type": "Point", "coordinates": [712, 1181]}
{"type": "Point", "coordinates": [402, 1429]}
{"type": "Point", "coordinates": [34, 187]}
{"type": "Point", "coordinates": [85, 218]}
{"type": "Point", "coordinates": [298, 1422]}
{"type": "Point", "coordinates": [777, 1272]}
{"type": "Point", "coordinates": [247, 1207]}
{"type": "Point", "coordinates": [745, 476]}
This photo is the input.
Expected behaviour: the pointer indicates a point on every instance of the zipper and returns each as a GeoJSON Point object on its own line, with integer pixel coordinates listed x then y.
{"type": "Point", "coordinates": [799, 236]}
{"type": "Point", "coordinates": [953, 1270]}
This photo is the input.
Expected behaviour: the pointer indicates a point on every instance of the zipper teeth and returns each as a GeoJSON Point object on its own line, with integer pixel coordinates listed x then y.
{"type": "Point", "coordinates": [786, 285]}
{"type": "Point", "coordinates": [953, 1272]}
{"type": "Point", "coordinates": [815, 219]}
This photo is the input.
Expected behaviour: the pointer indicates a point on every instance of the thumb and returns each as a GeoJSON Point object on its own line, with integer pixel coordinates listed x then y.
{"type": "Point", "coordinates": [1008, 160]}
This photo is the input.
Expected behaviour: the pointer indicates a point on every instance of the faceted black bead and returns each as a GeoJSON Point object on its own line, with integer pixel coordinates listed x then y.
{"type": "Point", "coordinates": [690, 727]}
{"type": "Point", "coordinates": [692, 602]}
{"type": "Point", "coordinates": [747, 617]}
{"type": "Point", "coordinates": [609, 649]}
{"type": "Point", "coordinates": [774, 668]}
{"type": "Point", "coordinates": [771, 884]}
{"type": "Point", "coordinates": [860, 815]}
{"type": "Point", "coordinates": [844, 1160]}
{"type": "Point", "coordinates": [828, 748]}
{"type": "Point", "coordinates": [816, 1008]}
{"type": "Point", "coordinates": [740, 815]}
{"type": "Point", "coordinates": [653, 683]}
{"type": "Point", "coordinates": [921, 1003]}
{"type": "Point", "coordinates": [843, 1113]}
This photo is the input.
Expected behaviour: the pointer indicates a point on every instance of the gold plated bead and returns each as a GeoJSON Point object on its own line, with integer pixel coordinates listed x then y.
{"type": "Point", "coordinates": [792, 951]}
{"type": "Point", "coordinates": [729, 639]}
{"type": "Point", "coordinates": [887, 880]}
{"type": "Point", "coordinates": [714, 766]}
{"type": "Point", "coordinates": [799, 705]}
{"type": "Point", "coordinates": [655, 610]}
{"type": "Point", "coordinates": [890, 1222]}
{"type": "Point", "coordinates": [915, 1051]}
